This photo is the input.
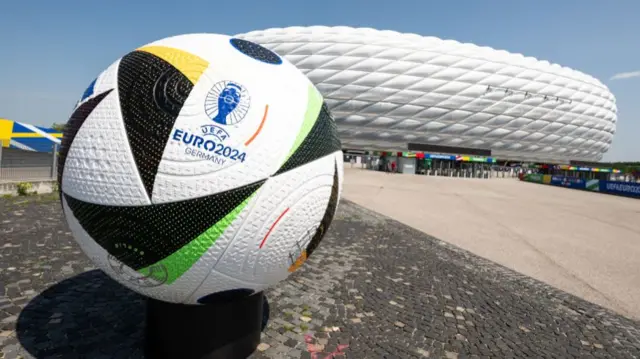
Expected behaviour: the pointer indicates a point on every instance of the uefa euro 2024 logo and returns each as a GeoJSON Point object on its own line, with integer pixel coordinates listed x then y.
{"type": "Point", "coordinates": [227, 103]}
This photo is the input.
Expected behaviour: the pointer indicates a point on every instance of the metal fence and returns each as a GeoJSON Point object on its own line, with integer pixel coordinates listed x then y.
{"type": "Point", "coordinates": [21, 165]}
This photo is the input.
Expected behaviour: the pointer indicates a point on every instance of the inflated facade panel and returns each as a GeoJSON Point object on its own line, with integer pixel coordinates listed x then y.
{"type": "Point", "coordinates": [387, 89]}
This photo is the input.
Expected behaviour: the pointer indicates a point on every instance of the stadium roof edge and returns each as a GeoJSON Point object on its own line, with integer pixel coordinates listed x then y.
{"type": "Point", "coordinates": [587, 78]}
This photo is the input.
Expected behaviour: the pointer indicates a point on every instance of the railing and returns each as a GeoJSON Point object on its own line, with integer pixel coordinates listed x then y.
{"type": "Point", "coordinates": [20, 165]}
{"type": "Point", "coordinates": [484, 172]}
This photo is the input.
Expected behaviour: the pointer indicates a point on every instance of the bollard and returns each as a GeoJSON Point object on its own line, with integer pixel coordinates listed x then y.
{"type": "Point", "coordinates": [54, 164]}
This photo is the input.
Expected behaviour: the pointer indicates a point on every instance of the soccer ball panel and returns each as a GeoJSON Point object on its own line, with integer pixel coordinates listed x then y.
{"type": "Point", "coordinates": [206, 156]}
{"type": "Point", "coordinates": [144, 284]}
{"type": "Point", "coordinates": [99, 166]}
{"type": "Point", "coordinates": [289, 206]}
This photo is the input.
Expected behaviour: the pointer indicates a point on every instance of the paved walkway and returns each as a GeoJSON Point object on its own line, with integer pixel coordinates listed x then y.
{"type": "Point", "coordinates": [585, 243]}
{"type": "Point", "coordinates": [373, 289]}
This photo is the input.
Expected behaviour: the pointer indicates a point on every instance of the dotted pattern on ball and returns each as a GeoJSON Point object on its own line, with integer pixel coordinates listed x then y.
{"type": "Point", "coordinates": [321, 141]}
{"type": "Point", "coordinates": [158, 230]}
{"type": "Point", "coordinates": [328, 215]}
{"type": "Point", "coordinates": [71, 130]}
{"type": "Point", "coordinates": [152, 93]}
{"type": "Point", "coordinates": [256, 51]}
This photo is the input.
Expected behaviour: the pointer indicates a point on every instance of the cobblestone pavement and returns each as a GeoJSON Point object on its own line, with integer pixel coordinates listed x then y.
{"type": "Point", "coordinates": [374, 289]}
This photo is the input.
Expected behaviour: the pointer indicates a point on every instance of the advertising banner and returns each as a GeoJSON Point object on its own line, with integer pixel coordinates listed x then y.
{"type": "Point", "coordinates": [534, 177]}
{"type": "Point", "coordinates": [628, 189]}
{"type": "Point", "coordinates": [441, 157]}
{"type": "Point", "coordinates": [593, 185]}
{"type": "Point", "coordinates": [557, 180]}
{"type": "Point", "coordinates": [569, 182]}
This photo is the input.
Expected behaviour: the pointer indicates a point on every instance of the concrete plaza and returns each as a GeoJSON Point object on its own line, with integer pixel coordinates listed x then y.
{"type": "Point", "coordinates": [587, 244]}
{"type": "Point", "coordinates": [375, 288]}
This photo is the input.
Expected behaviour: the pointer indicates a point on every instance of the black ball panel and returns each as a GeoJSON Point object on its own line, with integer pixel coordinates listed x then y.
{"type": "Point", "coordinates": [139, 236]}
{"type": "Point", "coordinates": [152, 93]}
{"type": "Point", "coordinates": [322, 140]}
{"type": "Point", "coordinates": [256, 51]}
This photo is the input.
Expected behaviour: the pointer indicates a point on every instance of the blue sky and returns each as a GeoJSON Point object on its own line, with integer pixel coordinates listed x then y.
{"type": "Point", "coordinates": [51, 50]}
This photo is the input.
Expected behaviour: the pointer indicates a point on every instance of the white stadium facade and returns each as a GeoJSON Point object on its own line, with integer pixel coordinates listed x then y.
{"type": "Point", "coordinates": [388, 90]}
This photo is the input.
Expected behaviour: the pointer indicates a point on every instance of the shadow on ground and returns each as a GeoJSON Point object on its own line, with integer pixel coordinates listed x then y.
{"type": "Point", "coordinates": [88, 315]}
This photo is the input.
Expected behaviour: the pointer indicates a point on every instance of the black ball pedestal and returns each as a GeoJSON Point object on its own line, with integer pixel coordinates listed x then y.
{"type": "Point", "coordinates": [226, 329]}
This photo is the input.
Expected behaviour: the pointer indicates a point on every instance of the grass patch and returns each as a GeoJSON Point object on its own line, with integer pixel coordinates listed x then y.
{"type": "Point", "coordinates": [25, 189]}
{"type": "Point", "coordinates": [33, 198]}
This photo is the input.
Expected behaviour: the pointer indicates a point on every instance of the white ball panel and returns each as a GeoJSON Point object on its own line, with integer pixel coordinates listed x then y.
{"type": "Point", "coordinates": [184, 174]}
{"type": "Point", "coordinates": [292, 234]}
{"type": "Point", "coordinates": [305, 192]}
{"type": "Point", "coordinates": [99, 167]}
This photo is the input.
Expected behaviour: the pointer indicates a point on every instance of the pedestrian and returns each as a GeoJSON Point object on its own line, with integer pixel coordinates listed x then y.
{"type": "Point", "coordinates": [393, 166]}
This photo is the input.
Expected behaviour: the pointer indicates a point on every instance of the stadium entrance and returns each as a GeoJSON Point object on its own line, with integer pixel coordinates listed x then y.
{"type": "Point", "coordinates": [450, 165]}
{"type": "Point", "coordinates": [430, 164]}
{"type": "Point", "coordinates": [474, 170]}
{"type": "Point", "coordinates": [442, 167]}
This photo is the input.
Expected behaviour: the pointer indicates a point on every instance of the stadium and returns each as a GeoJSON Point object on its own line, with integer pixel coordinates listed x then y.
{"type": "Point", "coordinates": [402, 98]}
{"type": "Point", "coordinates": [391, 91]}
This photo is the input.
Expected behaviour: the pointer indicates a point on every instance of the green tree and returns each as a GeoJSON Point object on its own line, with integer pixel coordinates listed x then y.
{"type": "Point", "coordinates": [58, 126]}
{"type": "Point", "coordinates": [626, 167]}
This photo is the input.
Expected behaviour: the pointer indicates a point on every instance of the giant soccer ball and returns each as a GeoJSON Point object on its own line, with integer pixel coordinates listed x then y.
{"type": "Point", "coordinates": [200, 165]}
